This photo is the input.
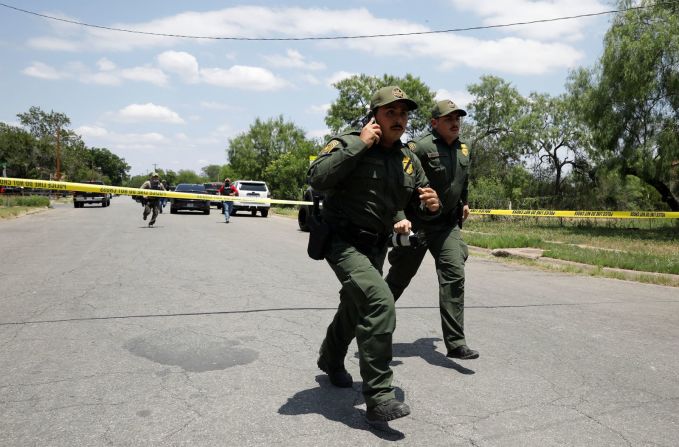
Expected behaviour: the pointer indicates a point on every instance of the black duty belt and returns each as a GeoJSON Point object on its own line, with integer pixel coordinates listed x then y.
{"type": "Point", "coordinates": [360, 237]}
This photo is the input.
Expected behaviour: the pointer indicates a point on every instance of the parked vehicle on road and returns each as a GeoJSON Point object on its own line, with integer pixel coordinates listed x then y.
{"type": "Point", "coordinates": [213, 188]}
{"type": "Point", "coordinates": [177, 204]}
{"type": "Point", "coordinates": [81, 198]}
{"type": "Point", "coordinates": [254, 189]}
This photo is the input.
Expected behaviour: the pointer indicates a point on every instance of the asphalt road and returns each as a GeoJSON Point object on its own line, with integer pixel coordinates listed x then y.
{"type": "Point", "coordinates": [196, 332]}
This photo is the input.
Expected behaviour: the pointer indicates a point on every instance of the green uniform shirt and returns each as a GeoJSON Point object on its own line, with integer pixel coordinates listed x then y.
{"type": "Point", "coordinates": [447, 168]}
{"type": "Point", "coordinates": [367, 187]}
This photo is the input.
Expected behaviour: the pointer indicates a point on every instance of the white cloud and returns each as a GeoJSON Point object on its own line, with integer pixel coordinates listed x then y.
{"type": "Point", "coordinates": [101, 78]}
{"type": "Point", "coordinates": [105, 65]}
{"type": "Point", "coordinates": [239, 21]}
{"type": "Point", "coordinates": [293, 59]}
{"type": "Point", "coordinates": [323, 108]}
{"type": "Point", "coordinates": [213, 105]}
{"type": "Point", "coordinates": [91, 132]}
{"type": "Point", "coordinates": [497, 12]}
{"type": "Point", "coordinates": [183, 64]}
{"type": "Point", "coordinates": [43, 71]}
{"type": "Point", "coordinates": [245, 77]}
{"type": "Point", "coordinates": [98, 135]}
{"type": "Point", "coordinates": [340, 75]}
{"type": "Point", "coordinates": [54, 44]}
{"type": "Point", "coordinates": [311, 79]}
{"type": "Point", "coordinates": [145, 74]}
{"type": "Point", "coordinates": [318, 133]}
{"type": "Point", "coordinates": [527, 55]}
{"type": "Point", "coordinates": [149, 112]}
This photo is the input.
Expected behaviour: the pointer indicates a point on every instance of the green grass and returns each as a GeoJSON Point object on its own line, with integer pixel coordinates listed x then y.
{"type": "Point", "coordinates": [7, 212]}
{"type": "Point", "coordinates": [30, 201]}
{"type": "Point", "coordinates": [634, 245]}
{"type": "Point", "coordinates": [11, 206]}
{"type": "Point", "coordinates": [643, 262]}
{"type": "Point", "coordinates": [492, 241]}
{"type": "Point", "coordinates": [288, 211]}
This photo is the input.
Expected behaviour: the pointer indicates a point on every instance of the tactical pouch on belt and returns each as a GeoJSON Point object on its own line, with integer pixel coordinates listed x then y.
{"type": "Point", "coordinates": [319, 234]}
{"type": "Point", "coordinates": [459, 214]}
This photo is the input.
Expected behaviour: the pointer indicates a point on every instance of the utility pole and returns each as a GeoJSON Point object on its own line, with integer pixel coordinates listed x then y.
{"type": "Point", "coordinates": [155, 168]}
{"type": "Point", "coordinates": [58, 173]}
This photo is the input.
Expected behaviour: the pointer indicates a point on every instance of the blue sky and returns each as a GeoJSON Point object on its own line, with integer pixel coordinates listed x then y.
{"type": "Point", "coordinates": [176, 102]}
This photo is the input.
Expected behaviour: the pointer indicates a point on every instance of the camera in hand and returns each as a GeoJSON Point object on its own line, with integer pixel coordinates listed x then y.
{"type": "Point", "coordinates": [404, 240]}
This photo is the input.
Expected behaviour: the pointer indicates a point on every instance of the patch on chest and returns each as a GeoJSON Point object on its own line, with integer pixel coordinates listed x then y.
{"type": "Point", "coordinates": [412, 146]}
{"type": "Point", "coordinates": [407, 165]}
{"type": "Point", "coordinates": [464, 149]}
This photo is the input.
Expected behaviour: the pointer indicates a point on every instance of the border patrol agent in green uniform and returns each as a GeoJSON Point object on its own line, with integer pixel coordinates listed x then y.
{"type": "Point", "coordinates": [368, 178]}
{"type": "Point", "coordinates": [152, 204]}
{"type": "Point", "coordinates": [446, 162]}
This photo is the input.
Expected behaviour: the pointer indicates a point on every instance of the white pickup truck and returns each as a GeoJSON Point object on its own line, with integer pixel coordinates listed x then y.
{"type": "Point", "coordinates": [81, 198]}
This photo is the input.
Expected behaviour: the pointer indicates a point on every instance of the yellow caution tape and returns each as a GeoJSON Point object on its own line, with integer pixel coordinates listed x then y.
{"type": "Point", "coordinates": [581, 214]}
{"type": "Point", "coordinates": [87, 187]}
{"type": "Point", "coordinates": [104, 189]}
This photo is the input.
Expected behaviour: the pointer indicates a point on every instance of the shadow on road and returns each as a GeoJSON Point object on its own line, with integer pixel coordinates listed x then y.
{"type": "Point", "coordinates": [337, 404]}
{"type": "Point", "coordinates": [425, 348]}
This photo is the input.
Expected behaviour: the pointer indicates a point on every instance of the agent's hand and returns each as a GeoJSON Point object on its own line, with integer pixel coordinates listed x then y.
{"type": "Point", "coordinates": [429, 199]}
{"type": "Point", "coordinates": [402, 227]}
{"type": "Point", "coordinates": [371, 133]}
{"type": "Point", "coordinates": [465, 212]}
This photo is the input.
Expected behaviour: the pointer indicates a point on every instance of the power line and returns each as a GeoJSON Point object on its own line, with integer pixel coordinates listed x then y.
{"type": "Point", "coordinates": [364, 36]}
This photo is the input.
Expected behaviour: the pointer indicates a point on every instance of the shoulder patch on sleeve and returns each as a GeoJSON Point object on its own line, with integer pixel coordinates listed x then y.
{"type": "Point", "coordinates": [330, 146]}
{"type": "Point", "coordinates": [407, 165]}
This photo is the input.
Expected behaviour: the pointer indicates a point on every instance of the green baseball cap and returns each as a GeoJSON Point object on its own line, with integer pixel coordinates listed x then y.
{"type": "Point", "coordinates": [445, 107]}
{"type": "Point", "coordinates": [387, 95]}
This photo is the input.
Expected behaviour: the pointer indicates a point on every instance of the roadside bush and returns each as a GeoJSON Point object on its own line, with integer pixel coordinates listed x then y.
{"type": "Point", "coordinates": [33, 201]}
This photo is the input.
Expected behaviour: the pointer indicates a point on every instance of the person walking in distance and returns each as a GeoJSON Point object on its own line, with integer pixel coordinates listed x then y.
{"type": "Point", "coordinates": [368, 177]}
{"type": "Point", "coordinates": [152, 204]}
{"type": "Point", "coordinates": [227, 189]}
{"type": "Point", "coordinates": [445, 160]}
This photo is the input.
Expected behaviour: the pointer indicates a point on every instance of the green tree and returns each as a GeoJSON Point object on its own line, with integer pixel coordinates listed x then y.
{"type": "Point", "coordinates": [188, 176]}
{"type": "Point", "coordinates": [353, 101]}
{"type": "Point", "coordinates": [110, 165]}
{"type": "Point", "coordinates": [549, 132]}
{"type": "Point", "coordinates": [494, 111]}
{"type": "Point", "coordinates": [227, 171]}
{"type": "Point", "coordinates": [43, 125]}
{"type": "Point", "coordinates": [19, 151]}
{"type": "Point", "coordinates": [250, 153]}
{"type": "Point", "coordinates": [212, 172]}
{"type": "Point", "coordinates": [630, 97]}
{"type": "Point", "coordinates": [286, 176]}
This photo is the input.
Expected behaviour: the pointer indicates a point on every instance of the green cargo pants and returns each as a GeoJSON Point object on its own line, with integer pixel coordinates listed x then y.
{"type": "Point", "coordinates": [366, 311]}
{"type": "Point", "coordinates": [450, 253]}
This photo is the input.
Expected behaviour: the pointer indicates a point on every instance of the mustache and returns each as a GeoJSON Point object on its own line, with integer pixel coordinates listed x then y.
{"type": "Point", "coordinates": [398, 126]}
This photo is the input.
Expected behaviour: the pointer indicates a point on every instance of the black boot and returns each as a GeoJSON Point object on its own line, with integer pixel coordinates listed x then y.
{"type": "Point", "coordinates": [337, 375]}
{"type": "Point", "coordinates": [387, 411]}
{"type": "Point", "coordinates": [463, 352]}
